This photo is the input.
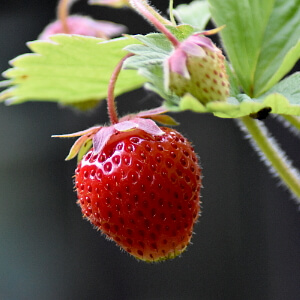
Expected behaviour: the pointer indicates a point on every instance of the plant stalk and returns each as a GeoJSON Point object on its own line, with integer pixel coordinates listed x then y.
{"type": "Point", "coordinates": [111, 105]}
{"type": "Point", "coordinates": [144, 9]}
{"type": "Point", "coordinates": [171, 8]}
{"type": "Point", "coordinates": [158, 16]}
{"type": "Point", "coordinates": [62, 14]}
{"type": "Point", "coordinates": [293, 120]}
{"type": "Point", "coordinates": [273, 155]}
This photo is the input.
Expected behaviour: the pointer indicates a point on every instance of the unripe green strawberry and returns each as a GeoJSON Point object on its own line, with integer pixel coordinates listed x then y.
{"type": "Point", "coordinates": [197, 67]}
{"type": "Point", "coordinates": [142, 191]}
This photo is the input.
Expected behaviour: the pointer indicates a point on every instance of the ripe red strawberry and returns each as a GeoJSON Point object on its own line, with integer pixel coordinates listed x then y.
{"type": "Point", "coordinates": [142, 191]}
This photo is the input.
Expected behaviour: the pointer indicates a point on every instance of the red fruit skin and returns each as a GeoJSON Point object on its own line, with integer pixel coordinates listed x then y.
{"type": "Point", "coordinates": [142, 192]}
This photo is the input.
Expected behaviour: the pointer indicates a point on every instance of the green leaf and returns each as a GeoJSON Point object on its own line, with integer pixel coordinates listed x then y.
{"type": "Point", "coordinates": [154, 48]}
{"type": "Point", "coordinates": [150, 57]}
{"type": "Point", "coordinates": [261, 39]}
{"type": "Point", "coordinates": [155, 83]}
{"type": "Point", "coordinates": [182, 31]}
{"type": "Point", "coordinates": [195, 13]}
{"type": "Point", "coordinates": [149, 61]}
{"type": "Point", "coordinates": [71, 69]}
{"type": "Point", "coordinates": [289, 87]}
{"type": "Point", "coordinates": [233, 81]}
{"type": "Point", "coordinates": [288, 62]}
{"type": "Point", "coordinates": [283, 98]}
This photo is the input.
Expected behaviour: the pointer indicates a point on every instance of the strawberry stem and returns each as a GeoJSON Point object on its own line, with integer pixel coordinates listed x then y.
{"type": "Point", "coordinates": [171, 13]}
{"type": "Point", "coordinates": [272, 154]}
{"type": "Point", "coordinates": [158, 16]}
{"type": "Point", "coordinates": [292, 120]}
{"type": "Point", "coordinates": [111, 105]}
{"type": "Point", "coordinates": [147, 12]}
{"type": "Point", "coordinates": [62, 14]}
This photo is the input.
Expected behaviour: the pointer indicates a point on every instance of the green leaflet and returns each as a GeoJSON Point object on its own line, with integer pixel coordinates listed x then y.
{"type": "Point", "coordinates": [71, 69]}
{"type": "Point", "coordinates": [261, 39]}
{"type": "Point", "coordinates": [195, 13]}
{"type": "Point", "coordinates": [150, 56]}
{"type": "Point", "coordinates": [283, 98]}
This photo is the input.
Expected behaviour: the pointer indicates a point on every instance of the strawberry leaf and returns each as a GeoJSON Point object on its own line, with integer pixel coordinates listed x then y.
{"type": "Point", "coordinates": [154, 48]}
{"type": "Point", "coordinates": [195, 13]}
{"type": "Point", "coordinates": [70, 69]}
{"type": "Point", "coordinates": [283, 98]}
{"type": "Point", "coordinates": [289, 87]}
{"type": "Point", "coordinates": [150, 56]}
{"type": "Point", "coordinates": [261, 39]}
{"type": "Point", "coordinates": [155, 75]}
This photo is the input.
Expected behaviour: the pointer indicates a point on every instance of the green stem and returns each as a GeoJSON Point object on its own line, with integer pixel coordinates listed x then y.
{"type": "Point", "coordinates": [156, 14]}
{"type": "Point", "coordinates": [273, 154]}
{"type": "Point", "coordinates": [171, 5]}
{"type": "Point", "coordinates": [293, 120]}
{"type": "Point", "coordinates": [142, 7]}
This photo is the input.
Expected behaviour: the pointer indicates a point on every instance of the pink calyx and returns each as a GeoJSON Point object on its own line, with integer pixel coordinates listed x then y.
{"type": "Point", "coordinates": [101, 135]}
{"type": "Point", "coordinates": [194, 45]}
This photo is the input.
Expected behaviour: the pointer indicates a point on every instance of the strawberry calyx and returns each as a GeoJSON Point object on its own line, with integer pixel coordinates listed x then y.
{"type": "Point", "coordinates": [101, 135]}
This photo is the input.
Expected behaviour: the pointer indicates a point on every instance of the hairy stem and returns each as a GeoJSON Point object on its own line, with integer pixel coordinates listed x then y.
{"type": "Point", "coordinates": [292, 123]}
{"type": "Point", "coordinates": [272, 154]}
{"type": "Point", "coordinates": [111, 105]}
{"type": "Point", "coordinates": [293, 120]}
{"type": "Point", "coordinates": [158, 16]}
{"type": "Point", "coordinates": [147, 12]}
{"type": "Point", "coordinates": [62, 14]}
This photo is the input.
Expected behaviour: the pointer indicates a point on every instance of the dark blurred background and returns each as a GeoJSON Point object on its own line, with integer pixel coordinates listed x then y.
{"type": "Point", "coordinates": [247, 242]}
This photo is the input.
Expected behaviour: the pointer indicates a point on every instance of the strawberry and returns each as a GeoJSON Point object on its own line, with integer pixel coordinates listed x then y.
{"type": "Point", "coordinates": [140, 189]}
{"type": "Point", "coordinates": [197, 67]}
{"type": "Point", "coordinates": [140, 183]}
